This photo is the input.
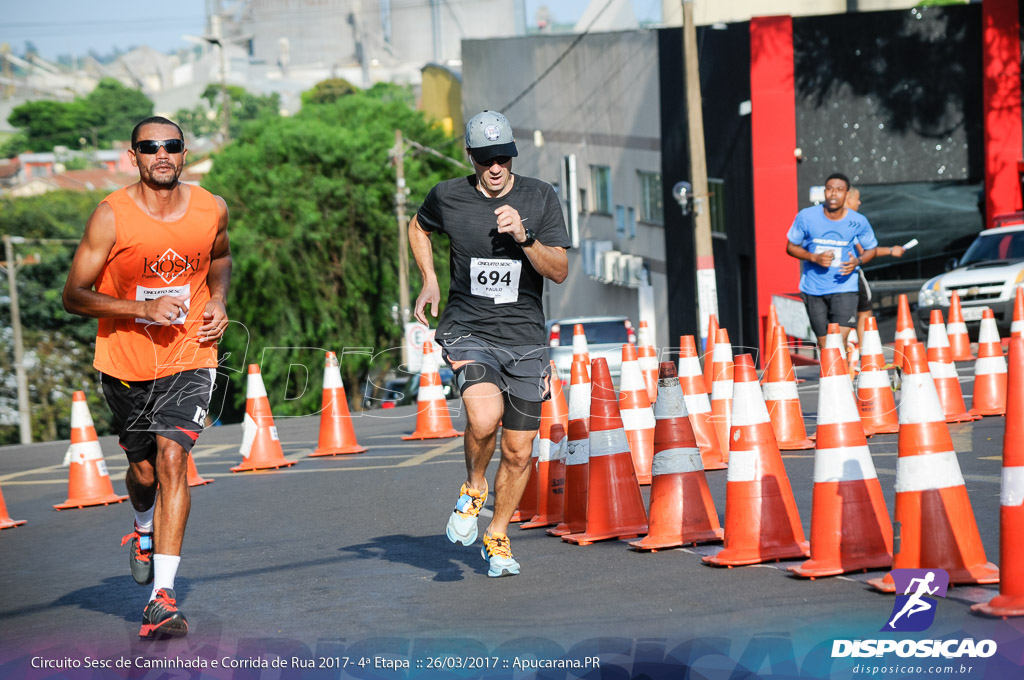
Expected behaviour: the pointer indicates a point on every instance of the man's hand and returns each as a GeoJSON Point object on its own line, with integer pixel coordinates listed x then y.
{"type": "Point", "coordinates": [431, 293]}
{"type": "Point", "coordinates": [897, 251]}
{"type": "Point", "coordinates": [823, 259]}
{"type": "Point", "coordinates": [165, 309]}
{"type": "Point", "coordinates": [215, 320]}
{"type": "Point", "coordinates": [510, 223]}
{"type": "Point", "coordinates": [848, 266]}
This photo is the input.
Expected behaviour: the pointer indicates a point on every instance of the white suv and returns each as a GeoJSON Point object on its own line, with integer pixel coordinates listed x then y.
{"type": "Point", "coordinates": [987, 275]}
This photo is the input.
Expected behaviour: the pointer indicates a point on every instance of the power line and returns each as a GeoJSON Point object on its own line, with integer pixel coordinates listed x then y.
{"type": "Point", "coordinates": [557, 61]}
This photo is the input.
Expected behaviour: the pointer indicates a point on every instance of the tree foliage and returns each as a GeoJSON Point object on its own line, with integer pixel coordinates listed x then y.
{"type": "Point", "coordinates": [106, 114]}
{"type": "Point", "coordinates": [328, 91]}
{"type": "Point", "coordinates": [245, 107]}
{"type": "Point", "coordinates": [58, 345]}
{"type": "Point", "coordinates": [314, 239]}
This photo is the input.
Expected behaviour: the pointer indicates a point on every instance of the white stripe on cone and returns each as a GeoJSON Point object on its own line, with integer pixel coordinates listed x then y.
{"type": "Point", "coordinates": [743, 466]}
{"type": "Point", "coordinates": [940, 370]}
{"type": "Point", "coordinates": [748, 407]}
{"type": "Point", "coordinates": [873, 379]}
{"type": "Point", "coordinates": [780, 391]}
{"type": "Point", "coordinates": [989, 365]}
{"type": "Point", "coordinates": [721, 389]}
{"type": "Point", "coordinates": [928, 472]}
{"type": "Point", "coordinates": [579, 401]}
{"type": "Point", "coordinates": [546, 450]}
{"type": "Point", "coordinates": [637, 419]}
{"type": "Point", "coordinates": [697, 403]}
{"type": "Point", "coordinates": [249, 430]}
{"type": "Point", "coordinates": [1011, 488]}
{"type": "Point", "coordinates": [920, 402]}
{"type": "Point", "coordinates": [843, 464]}
{"type": "Point", "coordinates": [672, 461]}
{"type": "Point", "coordinates": [835, 390]}
{"type": "Point", "coordinates": [254, 387]}
{"type": "Point", "coordinates": [431, 393]}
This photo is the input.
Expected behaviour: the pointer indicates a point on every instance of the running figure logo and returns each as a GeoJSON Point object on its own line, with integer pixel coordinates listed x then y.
{"type": "Point", "coordinates": [914, 610]}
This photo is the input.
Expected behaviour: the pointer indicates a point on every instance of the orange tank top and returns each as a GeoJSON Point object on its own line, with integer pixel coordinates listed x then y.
{"type": "Point", "coordinates": [150, 258]}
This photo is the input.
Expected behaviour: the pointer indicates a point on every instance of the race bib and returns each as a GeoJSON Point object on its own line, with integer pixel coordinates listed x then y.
{"type": "Point", "coordinates": [837, 253]}
{"type": "Point", "coordinates": [142, 293]}
{"type": "Point", "coordinates": [495, 279]}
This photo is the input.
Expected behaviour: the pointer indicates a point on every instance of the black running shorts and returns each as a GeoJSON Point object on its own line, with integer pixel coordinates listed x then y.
{"type": "Point", "coordinates": [863, 294]}
{"type": "Point", "coordinates": [173, 407]}
{"type": "Point", "coordinates": [840, 308]}
{"type": "Point", "coordinates": [521, 372]}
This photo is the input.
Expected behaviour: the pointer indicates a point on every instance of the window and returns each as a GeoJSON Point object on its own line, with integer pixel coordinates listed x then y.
{"type": "Point", "coordinates": [716, 204]}
{"type": "Point", "coordinates": [631, 221]}
{"type": "Point", "coordinates": [601, 183]}
{"type": "Point", "coordinates": [620, 220]}
{"type": "Point", "coordinates": [652, 208]}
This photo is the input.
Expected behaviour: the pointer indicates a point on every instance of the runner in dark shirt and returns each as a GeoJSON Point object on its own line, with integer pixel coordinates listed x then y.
{"type": "Point", "coordinates": [507, 235]}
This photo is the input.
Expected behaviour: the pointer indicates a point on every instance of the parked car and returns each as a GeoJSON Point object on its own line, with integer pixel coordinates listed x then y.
{"type": "Point", "coordinates": [403, 391]}
{"type": "Point", "coordinates": [987, 275]}
{"type": "Point", "coordinates": [605, 337]}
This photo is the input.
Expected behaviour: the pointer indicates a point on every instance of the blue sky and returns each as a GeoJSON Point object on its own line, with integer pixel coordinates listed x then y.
{"type": "Point", "coordinates": [76, 26]}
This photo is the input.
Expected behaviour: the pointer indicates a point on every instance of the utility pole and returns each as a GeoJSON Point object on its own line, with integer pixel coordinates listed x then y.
{"type": "Point", "coordinates": [11, 265]}
{"type": "Point", "coordinates": [403, 238]}
{"type": "Point", "coordinates": [218, 39]}
{"type": "Point", "coordinates": [707, 285]}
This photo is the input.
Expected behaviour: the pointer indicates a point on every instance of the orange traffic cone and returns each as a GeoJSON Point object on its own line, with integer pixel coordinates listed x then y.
{"type": "Point", "coordinates": [577, 454]}
{"type": "Point", "coordinates": [261, 446]}
{"type": "Point", "coordinates": [709, 353]}
{"type": "Point", "coordinates": [943, 370]}
{"type": "Point", "coordinates": [336, 433]}
{"type": "Point", "coordinates": [432, 419]}
{"type": "Point", "coordinates": [5, 520]}
{"type": "Point", "coordinates": [615, 507]}
{"type": "Point", "coordinates": [904, 330]}
{"type": "Point", "coordinates": [761, 518]}
{"type": "Point", "coordinates": [834, 339]}
{"type": "Point", "coordinates": [551, 443]}
{"type": "Point", "coordinates": [721, 390]}
{"type": "Point", "coordinates": [937, 527]}
{"type": "Point", "coordinates": [637, 414]}
{"type": "Point", "coordinates": [88, 479]}
{"type": "Point", "coordinates": [193, 473]}
{"type": "Point", "coordinates": [989, 370]}
{"type": "Point", "coordinates": [682, 509]}
{"type": "Point", "coordinates": [874, 391]}
{"type": "Point", "coordinates": [956, 329]}
{"type": "Point", "coordinates": [783, 400]}
{"type": "Point", "coordinates": [770, 328]}
{"type": "Point", "coordinates": [1017, 326]}
{"type": "Point", "coordinates": [850, 525]}
{"type": "Point", "coordinates": [1010, 601]}
{"type": "Point", "coordinates": [647, 357]}
{"type": "Point", "coordinates": [580, 350]}
{"type": "Point", "coordinates": [698, 405]}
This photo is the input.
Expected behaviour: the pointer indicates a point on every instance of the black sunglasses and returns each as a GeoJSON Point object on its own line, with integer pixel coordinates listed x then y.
{"type": "Point", "coordinates": [151, 146]}
{"type": "Point", "coordinates": [500, 160]}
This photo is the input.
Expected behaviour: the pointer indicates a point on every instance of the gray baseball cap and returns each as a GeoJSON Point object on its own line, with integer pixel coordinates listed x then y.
{"type": "Point", "coordinates": [488, 134]}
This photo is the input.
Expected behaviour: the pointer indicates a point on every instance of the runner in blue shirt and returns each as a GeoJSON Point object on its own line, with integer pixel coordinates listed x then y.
{"type": "Point", "coordinates": [824, 237]}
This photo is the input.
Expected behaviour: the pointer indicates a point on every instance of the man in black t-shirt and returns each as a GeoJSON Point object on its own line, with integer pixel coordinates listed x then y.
{"type": "Point", "coordinates": [507, 235]}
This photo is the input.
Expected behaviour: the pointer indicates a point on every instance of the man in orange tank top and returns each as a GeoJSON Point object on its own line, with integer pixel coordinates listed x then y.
{"type": "Point", "coordinates": [154, 266]}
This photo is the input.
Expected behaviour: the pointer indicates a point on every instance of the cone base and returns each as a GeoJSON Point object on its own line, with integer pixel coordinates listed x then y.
{"type": "Point", "coordinates": [653, 543]}
{"type": "Point", "coordinates": [979, 412]}
{"type": "Point", "coordinates": [89, 502]}
{"type": "Point", "coordinates": [539, 522]}
{"type": "Point", "coordinates": [736, 558]}
{"type": "Point", "coordinates": [440, 434]}
{"type": "Point", "coordinates": [267, 466]}
{"type": "Point", "coordinates": [643, 481]}
{"type": "Point", "coordinates": [588, 538]}
{"type": "Point", "coordinates": [978, 574]}
{"type": "Point", "coordinates": [796, 445]}
{"type": "Point", "coordinates": [337, 451]}
{"type": "Point", "coordinates": [199, 481]}
{"type": "Point", "coordinates": [889, 428]}
{"type": "Point", "coordinates": [967, 357]}
{"type": "Point", "coordinates": [816, 568]}
{"type": "Point", "coordinates": [964, 417]}
{"type": "Point", "coordinates": [8, 523]}
{"type": "Point", "coordinates": [1001, 606]}
{"type": "Point", "coordinates": [559, 530]}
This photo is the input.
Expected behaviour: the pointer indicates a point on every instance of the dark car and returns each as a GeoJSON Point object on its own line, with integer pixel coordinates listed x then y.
{"type": "Point", "coordinates": [404, 390]}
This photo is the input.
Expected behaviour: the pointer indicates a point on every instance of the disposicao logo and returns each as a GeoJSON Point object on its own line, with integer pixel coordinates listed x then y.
{"type": "Point", "coordinates": [914, 611]}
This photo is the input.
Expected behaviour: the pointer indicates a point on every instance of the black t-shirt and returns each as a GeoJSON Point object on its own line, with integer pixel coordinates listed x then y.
{"type": "Point", "coordinates": [495, 292]}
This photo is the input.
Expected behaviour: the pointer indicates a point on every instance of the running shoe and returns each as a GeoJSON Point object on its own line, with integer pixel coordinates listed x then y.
{"type": "Point", "coordinates": [498, 552]}
{"type": "Point", "coordinates": [161, 618]}
{"type": "Point", "coordinates": [140, 555]}
{"type": "Point", "coordinates": [462, 523]}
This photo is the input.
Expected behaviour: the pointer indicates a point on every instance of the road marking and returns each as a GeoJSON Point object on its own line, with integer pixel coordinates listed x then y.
{"type": "Point", "coordinates": [433, 453]}
{"type": "Point", "coordinates": [990, 458]}
{"type": "Point", "coordinates": [991, 479]}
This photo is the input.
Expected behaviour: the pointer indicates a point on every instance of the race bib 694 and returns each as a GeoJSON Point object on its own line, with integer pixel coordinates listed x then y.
{"type": "Point", "coordinates": [496, 279]}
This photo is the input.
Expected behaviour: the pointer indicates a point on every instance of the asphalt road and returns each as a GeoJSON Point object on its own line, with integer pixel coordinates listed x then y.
{"type": "Point", "coordinates": [336, 560]}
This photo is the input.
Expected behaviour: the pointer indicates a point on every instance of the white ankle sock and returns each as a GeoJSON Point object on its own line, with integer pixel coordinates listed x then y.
{"type": "Point", "coordinates": [144, 520]}
{"type": "Point", "coordinates": [164, 569]}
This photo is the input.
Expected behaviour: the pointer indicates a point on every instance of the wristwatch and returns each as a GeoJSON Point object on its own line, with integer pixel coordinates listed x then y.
{"type": "Point", "coordinates": [530, 239]}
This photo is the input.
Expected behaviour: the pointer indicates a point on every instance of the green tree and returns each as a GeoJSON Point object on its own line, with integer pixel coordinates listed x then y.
{"type": "Point", "coordinates": [246, 107]}
{"type": "Point", "coordinates": [327, 91]}
{"type": "Point", "coordinates": [58, 345]}
{"type": "Point", "coordinates": [315, 240]}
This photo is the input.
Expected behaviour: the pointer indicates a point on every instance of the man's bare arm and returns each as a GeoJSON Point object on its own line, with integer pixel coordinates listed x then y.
{"type": "Point", "coordinates": [419, 241]}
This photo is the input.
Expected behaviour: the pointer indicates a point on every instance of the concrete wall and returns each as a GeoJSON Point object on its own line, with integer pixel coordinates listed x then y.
{"type": "Point", "coordinates": [600, 103]}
